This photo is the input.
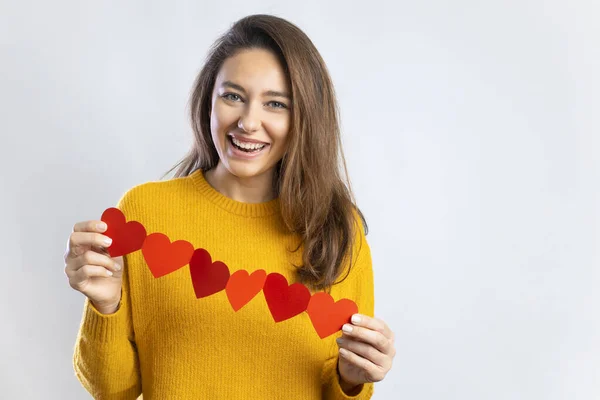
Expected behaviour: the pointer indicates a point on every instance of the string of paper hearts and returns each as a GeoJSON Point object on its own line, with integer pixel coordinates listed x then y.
{"type": "Point", "coordinates": [209, 277]}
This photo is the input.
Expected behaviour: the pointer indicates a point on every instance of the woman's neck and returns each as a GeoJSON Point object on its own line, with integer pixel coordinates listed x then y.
{"type": "Point", "coordinates": [254, 189]}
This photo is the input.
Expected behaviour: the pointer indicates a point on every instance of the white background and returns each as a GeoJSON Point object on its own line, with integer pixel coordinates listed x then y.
{"type": "Point", "coordinates": [472, 134]}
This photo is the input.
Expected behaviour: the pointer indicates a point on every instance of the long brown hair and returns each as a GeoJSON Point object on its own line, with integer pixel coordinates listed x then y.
{"type": "Point", "coordinates": [316, 203]}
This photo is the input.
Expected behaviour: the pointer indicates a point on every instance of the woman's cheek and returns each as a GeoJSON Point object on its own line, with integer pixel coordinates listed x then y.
{"type": "Point", "coordinates": [278, 129]}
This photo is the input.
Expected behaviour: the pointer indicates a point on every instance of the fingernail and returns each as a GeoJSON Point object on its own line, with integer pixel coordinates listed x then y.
{"type": "Point", "coordinates": [109, 273]}
{"type": "Point", "coordinates": [339, 340]}
{"type": "Point", "coordinates": [108, 240]}
{"type": "Point", "coordinates": [355, 319]}
{"type": "Point", "coordinates": [117, 267]}
{"type": "Point", "coordinates": [347, 328]}
{"type": "Point", "coordinates": [101, 226]}
{"type": "Point", "coordinates": [343, 351]}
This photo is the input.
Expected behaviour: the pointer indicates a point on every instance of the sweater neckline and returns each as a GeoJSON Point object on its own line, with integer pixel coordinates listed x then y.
{"type": "Point", "coordinates": [229, 204]}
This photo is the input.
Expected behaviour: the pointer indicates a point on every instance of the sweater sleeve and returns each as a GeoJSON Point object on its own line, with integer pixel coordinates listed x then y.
{"type": "Point", "coordinates": [358, 286]}
{"type": "Point", "coordinates": [105, 357]}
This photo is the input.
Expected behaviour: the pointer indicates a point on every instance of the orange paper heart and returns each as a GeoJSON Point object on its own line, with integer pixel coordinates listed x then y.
{"type": "Point", "coordinates": [328, 317]}
{"type": "Point", "coordinates": [242, 287]}
{"type": "Point", "coordinates": [164, 257]}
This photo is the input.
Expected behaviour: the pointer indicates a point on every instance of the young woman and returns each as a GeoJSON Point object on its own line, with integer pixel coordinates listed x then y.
{"type": "Point", "coordinates": [260, 195]}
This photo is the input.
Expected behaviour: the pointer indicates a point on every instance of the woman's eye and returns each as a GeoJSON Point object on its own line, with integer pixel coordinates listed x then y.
{"type": "Point", "coordinates": [277, 104]}
{"type": "Point", "coordinates": [231, 96]}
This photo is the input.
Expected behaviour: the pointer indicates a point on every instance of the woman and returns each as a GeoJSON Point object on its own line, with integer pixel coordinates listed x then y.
{"type": "Point", "coordinates": [260, 190]}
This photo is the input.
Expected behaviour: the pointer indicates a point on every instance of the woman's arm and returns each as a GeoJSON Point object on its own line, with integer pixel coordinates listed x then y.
{"type": "Point", "coordinates": [359, 287]}
{"type": "Point", "coordinates": [105, 357]}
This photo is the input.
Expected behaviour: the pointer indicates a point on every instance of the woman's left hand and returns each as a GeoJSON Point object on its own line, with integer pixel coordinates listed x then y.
{"type": "Point", "coordinates": [366, 351]}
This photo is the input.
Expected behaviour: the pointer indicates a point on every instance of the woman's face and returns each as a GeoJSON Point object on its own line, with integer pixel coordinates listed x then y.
{"type": "Point", "coordinates": [251, 108]}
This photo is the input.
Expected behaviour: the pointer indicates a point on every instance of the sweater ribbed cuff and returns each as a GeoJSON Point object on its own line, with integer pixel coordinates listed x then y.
{"type": "Point", "coordinates": [104, 328]}
{"type": "Point", "coordinates": [332, 388]}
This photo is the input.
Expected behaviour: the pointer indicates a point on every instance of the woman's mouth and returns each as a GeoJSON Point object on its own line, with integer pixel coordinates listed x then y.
{"type": "Point", "coordinates": [246, 151]}
{"type": "Point", "coordinates": [250, 148]}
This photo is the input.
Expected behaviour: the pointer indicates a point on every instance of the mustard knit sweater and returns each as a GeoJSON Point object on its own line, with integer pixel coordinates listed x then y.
{"type": "Point", "coordinates": [167, 344]}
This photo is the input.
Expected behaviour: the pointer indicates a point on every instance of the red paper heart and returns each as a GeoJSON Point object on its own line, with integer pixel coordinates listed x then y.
{"type": "Point", "coordinates": [127, 237]}
{"type": "Point", "coordinates": [328, 317]}
{"type": "Point", "coordinates": [242, 287]}
{"type": "Point", "coordinates": [207, 277]}
{"type": "Point", "coordinates": [164, 257]}
{"type": "Point", "coordinates": [285, 301]}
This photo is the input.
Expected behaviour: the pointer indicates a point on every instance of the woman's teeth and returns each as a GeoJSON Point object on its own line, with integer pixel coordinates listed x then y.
{"type": "Point", "coordinates": [247, 146]}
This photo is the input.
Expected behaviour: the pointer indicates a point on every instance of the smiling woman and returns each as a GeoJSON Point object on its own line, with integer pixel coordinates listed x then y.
{"type": "Point", "coordinates": [261, 190]}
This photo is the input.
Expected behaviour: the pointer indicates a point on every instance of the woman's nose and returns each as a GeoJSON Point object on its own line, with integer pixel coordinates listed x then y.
{"type": "Point", "coordinates": [249, 121]}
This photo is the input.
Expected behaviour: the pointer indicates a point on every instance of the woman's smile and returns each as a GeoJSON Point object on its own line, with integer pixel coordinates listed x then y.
{"type": "Point", "coordinates": [245, 149]}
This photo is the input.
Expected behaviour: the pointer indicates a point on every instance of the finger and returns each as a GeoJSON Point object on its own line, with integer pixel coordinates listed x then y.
{"type": "Point", "coordinates": [89, 271]}
{"type": "Point", "coordinates": [79, 242]}
{"type": "Point", "coordinates": [90, 226]}
{"type": "Point", "coordinates": [84, 226]}
{"type": "Point", "coordinates": [364, 350]}
{"type": "Point", "coordinates": [93, 258]}
{"type": "Point", "coordinates": [372, 323]}
{"type": "Point", "coordinates": [374, 338]}
{"type": "Point", "coordinates": [372, 372]}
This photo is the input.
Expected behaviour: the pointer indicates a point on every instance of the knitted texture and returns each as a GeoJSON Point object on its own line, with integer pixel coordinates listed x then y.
{"type": "Point", "coordinates": [168, 344]}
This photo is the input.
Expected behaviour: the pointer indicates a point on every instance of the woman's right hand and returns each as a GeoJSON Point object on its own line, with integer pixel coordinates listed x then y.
{"type": "Point", "coordinates": [90, 268]}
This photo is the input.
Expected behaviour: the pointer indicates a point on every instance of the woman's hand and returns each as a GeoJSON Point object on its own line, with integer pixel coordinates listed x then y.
{"type": "Point", "coordinates": [90, 268]}
{"type": "Point", "coordinates": [366, 351]}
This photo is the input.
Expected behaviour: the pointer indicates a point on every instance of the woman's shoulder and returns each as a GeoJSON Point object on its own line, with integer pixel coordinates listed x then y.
{"type": "Point", "coordinates": [152, 192]}
{"type": "Point", "coordinates": [360, 227]}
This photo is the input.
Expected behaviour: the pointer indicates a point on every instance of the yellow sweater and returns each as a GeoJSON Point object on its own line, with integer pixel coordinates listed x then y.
{"type": "Point", "coordinates": [167, 344]}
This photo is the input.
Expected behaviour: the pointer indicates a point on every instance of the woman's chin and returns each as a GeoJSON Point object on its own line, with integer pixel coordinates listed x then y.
{"type": "Point", "coordinates": [244, 170]}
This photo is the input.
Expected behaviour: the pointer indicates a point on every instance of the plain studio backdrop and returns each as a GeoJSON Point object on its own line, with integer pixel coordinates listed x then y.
{"type": "Point", "coordinates": [471, 130]}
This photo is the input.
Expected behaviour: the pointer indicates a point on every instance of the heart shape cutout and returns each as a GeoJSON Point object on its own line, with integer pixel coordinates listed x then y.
{"type": "Point", "coordinates": [164, 257]}
{"type": "Point", "coordinates": [328, 316]}
{"type": "Point", "coordinates": [285, 301]}
{"type": "Point", "coordinates": [243, 286]}
{"type": "Point", "coordinates": [207, 277]}
{"type": "Point", "coordinates": [127, 237]}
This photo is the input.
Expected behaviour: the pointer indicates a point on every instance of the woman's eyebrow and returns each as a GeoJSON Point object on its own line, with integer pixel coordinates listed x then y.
{"type": "Point", "coordinates": [266, 93]}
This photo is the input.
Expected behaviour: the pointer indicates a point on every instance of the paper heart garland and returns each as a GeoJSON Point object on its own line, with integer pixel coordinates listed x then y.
{"type": "Point", "coordinates": [209, 277]}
